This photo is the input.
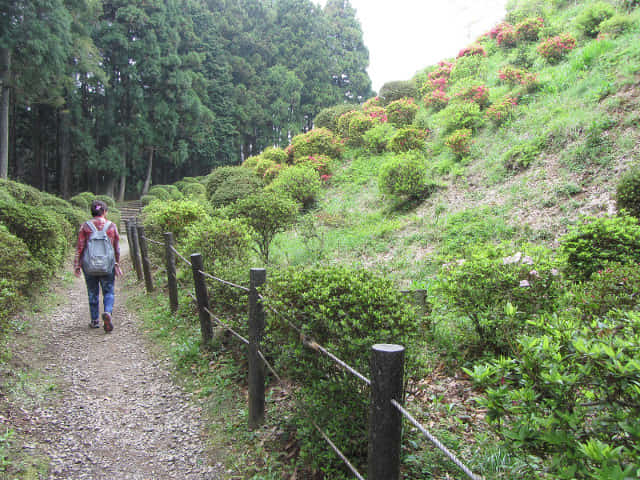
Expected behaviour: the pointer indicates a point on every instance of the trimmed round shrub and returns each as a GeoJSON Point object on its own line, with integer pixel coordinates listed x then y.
{"type": "Point", "coordinates": [83, 200]}
{"type": "Point", "coordinates": [594, 242]}
{"type": "Point", "coordinates": [226, 249]}
{"type": "Point", "coordinates": [358, 126]}
{"type": "Point", "coordinates": [299, 182]}
{"type": "Point", "coordinates": [263, 165]}
{"type": "Point", "coordinates": [459, 115]}
{"type": "Point", "coordinates": [401, 112]}
{"type": "Point", "coordinates": [108, 200]}
{"type": "Point", "coordinates": [267, 213]}
{"type": "Point", "coordinates": [501, 111]}
{"type": "Point", "coordinates": [628, 193]}
{"type": "Point", "coordinates": [436, 100]}
{"type": "Point", "coordinates": [407, 139]}
{"type": "Point", "coordinates": [250, 162]}
{"type": "Point", "coordinates": [181, 184]}
{"type": "Point", "coordinates": [328, 117]}
{"type": "Point", "coordinates": [460, 142]}
{"type": "Point", "coordinates": [590, 18]}
{"type": "Point", "coordinates": [44, 232]}
{"type": "Point", "coordinates": [471, 50]}
{"type": "Point", "coordinates": [195, 191]}
{"type": "Point", "coordinates": [147, 199]}
{"type": "Point", "coordinates": [342, 124]}
{"type": "Point", "coordinates": [478, 94]}
{"type": "Point", "coordinates": [556, 48]}
{"type": "Point", "coordinates": [403, 177]}
{"type": "Point", "coordinates": [346, 310]}
{"type": "Point", "coordinates": [529, 29]}
{"type": "Point", "coordinates": [276, 155]}
{"type": "Point", "coordinates": [507, 36]}
{"type": "Point", "coordinates": [173, 191]}
{"type": "Point", "coordinates": [320, 163]}
{"type": "Point", "coordinates": [174, 216]}
{"type": "Point", "coordinates": [17, 265]}
{"type": "Point", "coordinates": [26, 193]}
{"type": "Point", "coordinates": [469, 69]}
{"type": "Point", "coordinates": [160, 192]}
{"type": "Point", "coordinates": [392, 91]}
{"type": "Point", "coordinates": [229, 176]}
{"type": "Point", "coordinates": [377, 139]}
{"type": "Point", "coordinates": [318, 141]}
{"type": "Point", "coordinates": [75, 218]}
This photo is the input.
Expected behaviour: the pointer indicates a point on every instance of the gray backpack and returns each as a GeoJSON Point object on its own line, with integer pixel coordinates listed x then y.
{"type": "Point", "coordinates": [98, 257]}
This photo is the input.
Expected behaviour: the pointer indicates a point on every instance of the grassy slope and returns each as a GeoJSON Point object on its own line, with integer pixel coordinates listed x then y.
{"type": "Point", "coordinates": [586, 116]}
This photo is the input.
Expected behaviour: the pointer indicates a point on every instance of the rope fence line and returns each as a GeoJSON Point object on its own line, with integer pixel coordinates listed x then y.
{"type": "Point", "coordinates": [338, 452]}
{"type": "Point", "coordinates": [224, 282]}
{"type": "Point", "coordinates": [436, 442]}
{"type": "Point", "coordinates": [313, 345]}
{"type": "Point", "coordinates": [180, 256]}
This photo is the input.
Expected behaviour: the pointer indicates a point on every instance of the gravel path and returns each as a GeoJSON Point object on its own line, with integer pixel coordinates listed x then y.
{"type": "Point", "coordinates": [119, 415]}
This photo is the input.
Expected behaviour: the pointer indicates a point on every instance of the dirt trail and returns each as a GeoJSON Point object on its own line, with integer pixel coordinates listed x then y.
{"type": "Point", "coordinates": [117, 415]}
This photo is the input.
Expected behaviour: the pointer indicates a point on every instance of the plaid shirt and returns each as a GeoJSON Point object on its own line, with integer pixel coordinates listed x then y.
{"type": "Point", "coordinates": [85, 233]}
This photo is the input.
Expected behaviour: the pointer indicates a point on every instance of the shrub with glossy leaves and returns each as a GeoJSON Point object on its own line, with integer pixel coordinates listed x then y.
{"type": "Point", "coordinates": [590, 18]}
{"type": "Point", "coordinates": [277, 155]}
{"type": "Point", "coordinates": [528, 30]}
{"type": "Point", "coordinates": [225, 246]}
{"type": "Point", "coordinates": [594, 242]}
{"type": "Point", "coordinates": [83, 200]}
{"type": "Point", "coordinates": [377, 139]}
{"type": "Point", "coordinates": [499, 291]}
{"type": "Point", "coordinates": [358, 125]}
{"type": "Point", "coordinates": [300, 182]}
{"type": "Point", "coordinates": [556, 48]}
{"type": "Point", "coordinates": [460, 142]}
{"type": "Point", "coordinates": [346, 310]}
{"type": "Point", "coordinates": [328, 117]}
{"type": "Point", "coordinates": [403, 176]}
{"type": "Point", "coordinates": [159, 192]}
{"type": "Point", "coordinates": [318, 141]}
{"type": "Point", "coordinates": [407, 139]}
{"type": "Point", "coordinates": [392, 91]}
{"type": "Point", "coordinates": [474, 49]}
{"type": "Point", "coordinates": [628, 193]}
{"type": "Point", "coordinates": [401, 112]}
{"type": "Point", "coordinates": [267, 213]}
{"type": "Point", "coordinates": [501, 111]}
{"type": "Point", "coordinates": [227, 184]}
{"type": "Point", "coordinates": [174, 216]}
{"type": "Point", "coordinates": [436, 100]}
{"type": "Point", "coordinates": [461, 115]}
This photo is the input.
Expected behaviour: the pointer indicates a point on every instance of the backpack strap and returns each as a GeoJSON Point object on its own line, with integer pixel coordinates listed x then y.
{"type": "Point", "coordinates": [106, 226]}
{"type": "Point", "coordinates": [92, 226]}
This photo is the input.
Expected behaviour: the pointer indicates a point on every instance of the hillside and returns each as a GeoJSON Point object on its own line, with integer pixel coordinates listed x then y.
{"type": "Point", "coordinates": [503, 183]}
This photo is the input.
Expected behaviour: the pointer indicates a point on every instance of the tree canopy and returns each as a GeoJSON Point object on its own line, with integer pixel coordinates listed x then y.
{"type": "Point", "coordinates": [113, 95]}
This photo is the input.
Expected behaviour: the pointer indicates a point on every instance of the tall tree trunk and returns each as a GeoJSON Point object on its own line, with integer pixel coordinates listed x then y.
{"type": "Point", "coordinates": [147, 180]}
{"type": "Point", "coordinates": [123, 178]}
{"type": "Point", "coordinates": [40, 176]}
{"type": "Point", "coordinates": [64, 175]}
{"type": "Point", "coordinates": [5, 70]}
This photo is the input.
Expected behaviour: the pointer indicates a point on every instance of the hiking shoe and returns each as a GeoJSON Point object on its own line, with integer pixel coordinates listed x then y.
{"type": "Point", "coordinates": [94, 323]}
{"type": "Point", "coordinates": [108, 324]}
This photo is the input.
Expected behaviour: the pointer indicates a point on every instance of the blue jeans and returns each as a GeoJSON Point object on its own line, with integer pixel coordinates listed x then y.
{"type": "Point", "coordinates": [93, 288]}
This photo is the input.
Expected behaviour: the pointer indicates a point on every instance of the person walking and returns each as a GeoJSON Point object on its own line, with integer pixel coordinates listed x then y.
{"type": "Point", "coordinates": [98, 257]}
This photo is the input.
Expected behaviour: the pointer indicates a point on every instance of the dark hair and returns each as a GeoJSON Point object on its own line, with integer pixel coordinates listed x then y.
{"type": "Point", "coordinates": [98, 208]}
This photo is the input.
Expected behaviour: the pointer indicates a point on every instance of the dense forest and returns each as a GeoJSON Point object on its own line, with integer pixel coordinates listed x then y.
{"type": "Point", "coordinates": [111, 96]}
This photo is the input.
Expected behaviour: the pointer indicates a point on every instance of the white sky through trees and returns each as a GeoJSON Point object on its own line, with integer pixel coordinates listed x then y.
{"type": "Point", "coordinates": [404, 36]}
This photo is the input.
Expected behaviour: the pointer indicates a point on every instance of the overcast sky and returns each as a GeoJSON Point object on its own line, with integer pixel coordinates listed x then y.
{"type": "Point", "coordinates": [404, 36]}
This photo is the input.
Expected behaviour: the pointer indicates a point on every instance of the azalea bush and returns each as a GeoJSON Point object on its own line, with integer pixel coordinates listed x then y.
{"type": "Point", "coordinates": [628, 193]}
{"type": "Point", "coordinates": [594, 242]}
{"type": "Point", "coordinates": [501, 111]}
{"type": "Point", "coordinates": [516, 76]}
{"type": "Point", "coordinates": [438, 78]}
{"type": "Point", "coordinates": [569, 399]}
{"type": "Point", "coordinates": [320, 163]}
{"type": "Point", "coordinates": [301, 183]}
{"type": "Point", "coordinates": [556, 48]}
{"type": "Point", "coordinates": [461, 115]}
{"type": "Point", "coordinates": [328, 117]}
{"type": "Point", "coordinates": [377, 139]}
{"type": "Point", "coordinates": [460, 142]}
{"type": "Point", "coordinates": [174, 216]}
{"type": "Point", "coordinates": [402, 112]}
{"type": "Point", "coordinates": [319, 141]}
{"type": "Point", "coordinates": [507, 36]}
{"type": "Point", "coordinates": [436, 99]}
{"type": "Point", "coordinates": [403, 176]}
{"type": "Point", "coordinates": [474, 49]}
{"type": "Point", "coordinates": [529, 29]}
{"type": "Point", "coordinates": [478, 94]}
{"type": "Point", "coordinates": [342, 124]}
{"type": "Point", "coordinates": [499, 293]}
{"type": "Point", "coordinates": [406, 139]}
{"type": "Point", "coordinates": [358, 125]}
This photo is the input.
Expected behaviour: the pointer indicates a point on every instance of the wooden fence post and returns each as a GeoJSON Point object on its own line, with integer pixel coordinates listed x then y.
{"type": "Point", "coordinates": [258, 277]}
{"type": "Point", "coordinates": [385, 424]}
{"type": "Point", "coordinates": [202, 297]}
{"type": "Point", "coordinates": [135, 251]}
{"type": "Point", "coordinates": [146, 265]}
{"type": "Point", "coordinates": [170, 258]}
